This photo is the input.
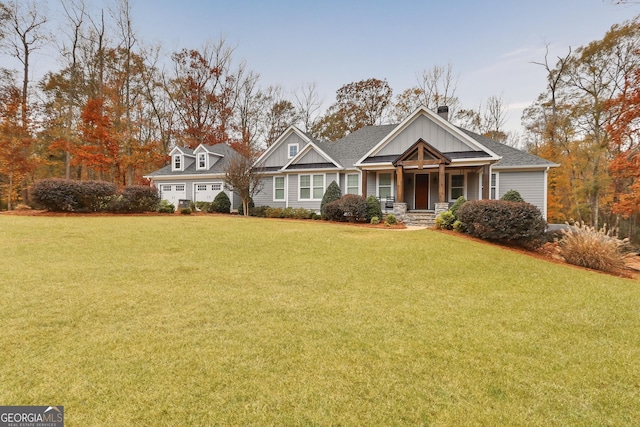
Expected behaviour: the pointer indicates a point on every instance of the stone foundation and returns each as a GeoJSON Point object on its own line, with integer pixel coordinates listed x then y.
{"type": "Point", "coordinates": [441, 207]}
{"type": "Point", "coordinates": [400, 211]}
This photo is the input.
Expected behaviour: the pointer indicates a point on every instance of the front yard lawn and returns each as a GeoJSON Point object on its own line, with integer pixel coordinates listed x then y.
{"type": "Point", "coordinates": [220, 320]}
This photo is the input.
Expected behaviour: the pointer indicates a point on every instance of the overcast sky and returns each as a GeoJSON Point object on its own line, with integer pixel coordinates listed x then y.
{"type": "Point", "coordinates": [491, 44]}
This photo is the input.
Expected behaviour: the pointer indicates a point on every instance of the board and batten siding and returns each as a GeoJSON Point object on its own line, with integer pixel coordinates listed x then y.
{"type": "Point", "coordinates": [432, 133]}
{"type": "Point", "coordinates": [530, 185]}
{"type": "Point", "coordinates": [311, 157]}
{"type": "Point", "coordinates": [280, 156]}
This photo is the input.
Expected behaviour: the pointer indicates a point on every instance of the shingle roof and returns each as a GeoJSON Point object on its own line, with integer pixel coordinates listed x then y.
{"type": "Point", "coordinates": [217, 168]}
{"type": "Point", "coordinates": [348, 150]}
{"type": "Point", "coordinates": [511, 157]}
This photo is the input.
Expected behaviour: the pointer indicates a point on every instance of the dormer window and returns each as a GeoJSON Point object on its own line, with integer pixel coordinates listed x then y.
{"type": "Point", "coordinates": [202, 160]}
{"type": "Point", "coordinates": [293, 150]}
{"type": "Point", "coordinates": [177, 162]}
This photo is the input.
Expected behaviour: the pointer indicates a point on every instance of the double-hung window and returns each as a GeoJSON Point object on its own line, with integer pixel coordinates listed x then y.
{"type": "Point", "coordinates": [311, 187]}
{"type": "Point", "coordinates": [384, 185]}
{"type": "Point", "coordinates": [457, 186]}
{"type": "Point", "coordinates": [177, 162]}
{"type": "Point", "coordinates": [278, 188]}
{"type": "Point", "coordinates": [202, 160]}
{"type": "Point", "coordinates": [352, 184]}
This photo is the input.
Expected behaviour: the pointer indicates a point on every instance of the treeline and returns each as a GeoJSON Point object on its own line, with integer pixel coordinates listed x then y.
{"type": "Point", "coordinates": [587, 120]}
{"type": "Point", "coordinates": [117, 105]}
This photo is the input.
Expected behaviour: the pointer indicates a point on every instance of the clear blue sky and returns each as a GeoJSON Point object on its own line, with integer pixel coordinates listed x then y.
{"type": "Point", "coordinates": [490, 44]}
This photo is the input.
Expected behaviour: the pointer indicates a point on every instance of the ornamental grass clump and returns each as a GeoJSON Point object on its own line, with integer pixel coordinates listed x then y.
{"type": "Point", "coordinates": [589, 247]}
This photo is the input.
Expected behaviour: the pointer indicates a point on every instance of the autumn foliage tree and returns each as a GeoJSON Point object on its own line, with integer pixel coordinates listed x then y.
{"type": "Point", "coordinates": [358, 104]}
{"type": "Point", "coordinates": [15, 143]}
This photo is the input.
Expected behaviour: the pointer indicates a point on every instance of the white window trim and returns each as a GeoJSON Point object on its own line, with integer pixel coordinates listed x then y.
{"type": "Point", "coordinates": [311, 175]}
{"type": "Point", "coordinates": [284, 198]}
{"type": "Point", "coordinates": [358, 182]}
{"type": "Point", "coordinates": [180, 158]}
{"type": "Point", "coordinates": [297, 145]}
{"type": "Point", "coordinates": [497, 174]}
{"type": "Point", "coordinates": [464, 185]}
{"type": "Point", "coordinates": [206, 162]}
{"type": "Point", "coordinates": [393, 183]}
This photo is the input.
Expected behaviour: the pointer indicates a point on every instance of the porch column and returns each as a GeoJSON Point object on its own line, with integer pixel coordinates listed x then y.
{"type": "Point", "coordinates": [486, 182]}
{"type": "Point", "coordinates": [441, 182]}
{"type": "Point", "coordinates": [399, 184]}
{"type": "Point", "coordinates": [364, 183]}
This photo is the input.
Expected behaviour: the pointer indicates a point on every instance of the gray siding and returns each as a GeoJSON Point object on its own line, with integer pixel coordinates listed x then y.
{"type": "Point", "coordinates": [265, 196]}
{"type": "Point", "coordinates": [433, 134]}
{"type": "Point", "coordinates": [530, 185]}
{"type": "Point", "coordinates": [473, 186]}
{"type": "Point", "coordinates": [311, 157]}
{"type": "Point", "coordinates": [280, 156]}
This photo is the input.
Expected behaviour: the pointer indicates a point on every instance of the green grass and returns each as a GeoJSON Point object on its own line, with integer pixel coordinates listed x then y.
{"type": "Point", "coordinates": [219, 320]}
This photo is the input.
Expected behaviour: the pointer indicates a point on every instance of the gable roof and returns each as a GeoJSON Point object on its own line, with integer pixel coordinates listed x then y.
{"type": "Point", "coordinates": [222, 150]}
{"type": "Point", "coordinates": [273, 147]}
{"type": "Point", "coordinates": [311, 146]}
{"type": "Point", "coordinates": [473, 144]}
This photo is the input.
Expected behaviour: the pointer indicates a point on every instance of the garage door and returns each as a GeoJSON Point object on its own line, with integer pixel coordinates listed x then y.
{"type": "Point", "coordinates": [206, 192]}
{"type": "Point", "coordinates": [173, 193]}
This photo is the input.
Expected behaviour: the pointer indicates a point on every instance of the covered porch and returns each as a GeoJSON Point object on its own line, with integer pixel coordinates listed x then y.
{"type": "Point", "coordinates": [424, 179]}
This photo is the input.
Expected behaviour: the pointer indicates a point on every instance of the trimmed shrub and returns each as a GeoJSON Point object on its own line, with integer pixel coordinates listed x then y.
{"type": "Point", "coordinates": [138, 198]}
{"type": "Point", "coordinates": [259, 211]}
{"type": "Point", "coordinates": [60, 195]}
{"type": "Point", "coordinates": [166, 207]}
{"type": "Point", "coordinates": [514, 223]}
{"type": "Point", "coordinates": [391, 219]}
{"type": "Point", "coordinates": [512, 196]}
{"type": "Point", "coordinates": [332, 211]}
{"type": "Point", "coordinates": [375, 220]}
{"type": "Point", "coordinates": [373, 208]}
{"type": "Point", "coordinates": [221, 203]}
{"type": "Point", "coordinates": [332, 194]}
{"type": "Point", "coordinates": [185, 211]}
{"type": "Point", "coordinates": [354, 207]}
{"type": "Point", "coordinates": [597, 249]}
{"type": "Point", "coordinates": [459, 226]}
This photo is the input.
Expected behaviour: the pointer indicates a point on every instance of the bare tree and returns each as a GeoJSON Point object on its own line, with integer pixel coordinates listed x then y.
{"type": "Point", "coordinates": [307, 102]}
{"type": "Point", "coordinates": [243, 177]}
{"type": "Point", "coordinates": [25, 31]}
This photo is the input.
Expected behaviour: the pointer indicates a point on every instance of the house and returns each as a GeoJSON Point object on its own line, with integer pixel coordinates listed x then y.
{"type": "Point", "coordinates": [420, 165]}
{"type": "Point", "coordinates": [194, 175]}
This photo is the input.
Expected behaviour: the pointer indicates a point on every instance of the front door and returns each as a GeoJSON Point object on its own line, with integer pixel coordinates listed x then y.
{"type": "Point", "coordinates": [422, 191]}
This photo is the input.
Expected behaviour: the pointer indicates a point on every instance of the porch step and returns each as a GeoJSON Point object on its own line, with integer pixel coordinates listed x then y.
{"type": "Point", "coordinates": [424, 219]}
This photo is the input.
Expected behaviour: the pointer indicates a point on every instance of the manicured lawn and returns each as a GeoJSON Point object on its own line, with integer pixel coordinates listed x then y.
{"type": "Point", "coordinates": [230, 321]}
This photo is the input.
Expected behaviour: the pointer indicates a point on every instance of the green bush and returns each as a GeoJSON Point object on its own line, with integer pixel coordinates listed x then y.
{"type": "Point", "coordinates": [185, 211]}
{"type": "Point", "coordinates": [459, 226]}
{"type": "Point", "coordinates": [514, 223]}
{"type": "Point", "coordinates": [332, 194]}
{"type": "Point", "coordinates": [597, 249]}
{"type": "Point", "coordinates": [391, 219]}
{"type": "Point", "coordinates": [445, 220]}
{"type": "Point", "coordinates": [512, 196]}
{"type": "Point", "coordinates": [375, 220]}
{"type": "Point", "coordinates": [221, 203]}
{"type": "Point", "coordinates": [165, 207]}
{"type": "Point", "coordinates": [456, 205]}
{"type": "Point", "coordinates": [373, 208]}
